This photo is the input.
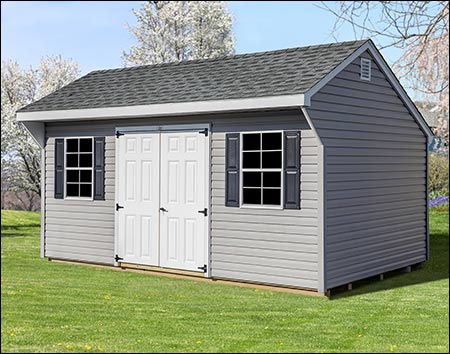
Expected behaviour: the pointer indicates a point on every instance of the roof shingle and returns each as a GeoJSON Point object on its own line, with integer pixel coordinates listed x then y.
{"type": "Point", "coordinates": [280, 72]}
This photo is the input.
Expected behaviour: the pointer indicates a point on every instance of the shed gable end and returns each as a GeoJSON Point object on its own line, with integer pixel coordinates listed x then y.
{"type": "Point", "coordinates": [375, 176]}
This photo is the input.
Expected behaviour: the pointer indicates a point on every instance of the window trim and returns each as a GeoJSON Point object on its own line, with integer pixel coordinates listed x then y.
{"type": "Point", "coordinates": [241, 172]}
{"type": "Point", "coordinates": [78, 168]}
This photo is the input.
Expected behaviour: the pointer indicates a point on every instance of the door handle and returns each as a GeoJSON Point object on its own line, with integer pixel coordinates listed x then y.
{"type": "Point", "coordinates": [204, 212]}
{"type": "Point", "coordinates": [163, 209]}
{"type": "Point", "coordinates": [118, 207]}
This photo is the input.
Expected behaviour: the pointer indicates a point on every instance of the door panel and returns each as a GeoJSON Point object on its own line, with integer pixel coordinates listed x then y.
{"type": "Point", "coordinates": [163, 170]}
{"type": "Point", "coordinates": [138, 193]}
{"type": "Point", "coordinates": [183, 193]}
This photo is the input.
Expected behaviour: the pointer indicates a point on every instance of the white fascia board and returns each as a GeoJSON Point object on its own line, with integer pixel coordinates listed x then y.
{"type": "Point", "coordinates": [165, 109]}
{"type": "Point", "coordinates": [370, 47]}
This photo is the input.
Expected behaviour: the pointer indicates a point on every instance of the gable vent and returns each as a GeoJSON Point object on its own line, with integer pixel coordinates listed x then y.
{"type": "Point", "coordinates": [366, 69]}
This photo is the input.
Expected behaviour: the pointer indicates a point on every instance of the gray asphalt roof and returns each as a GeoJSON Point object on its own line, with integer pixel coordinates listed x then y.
{"type": "Point", "coordinates": [281, 72]}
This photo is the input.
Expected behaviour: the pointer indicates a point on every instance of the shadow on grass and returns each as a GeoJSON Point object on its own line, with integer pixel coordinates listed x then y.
{"type": "Point", "coordinates": [20, 230]}
{"type": "Point", "coordinates": [436, 268]}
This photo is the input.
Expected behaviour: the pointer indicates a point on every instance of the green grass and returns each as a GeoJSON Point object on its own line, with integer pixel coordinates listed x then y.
{"type": "Point", "coordinates": [51, 307]}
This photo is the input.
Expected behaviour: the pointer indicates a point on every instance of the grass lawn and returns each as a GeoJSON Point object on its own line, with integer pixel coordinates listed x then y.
{"type": "Point", "coordinates": [51, 307]}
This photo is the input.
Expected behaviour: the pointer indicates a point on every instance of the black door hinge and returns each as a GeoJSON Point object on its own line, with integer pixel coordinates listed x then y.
{"type": "Point", "coordinates": [118, 207]}
{"type": "Point", "coordinates": [204, 268]}
{"type": "Point", "coordinates": [204, 212]}
{"type": "Point", "coordinates": [204, 131]}
{"type": "Point", "coordinates": [117, 258]}
{"type": "Point", "coordinates": [119, 134]}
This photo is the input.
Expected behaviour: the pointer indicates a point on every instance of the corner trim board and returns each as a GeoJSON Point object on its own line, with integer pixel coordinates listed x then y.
{"type": "Point", "coordinates": [427, 198]}
{"type": "Point", "coordinates": [43, 225]}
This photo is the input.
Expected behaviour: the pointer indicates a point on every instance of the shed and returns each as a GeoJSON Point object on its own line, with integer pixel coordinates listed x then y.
{"type": "Point", "coordinates": [304, 168]}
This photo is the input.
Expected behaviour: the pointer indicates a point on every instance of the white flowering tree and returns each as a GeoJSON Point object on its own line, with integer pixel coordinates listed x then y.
{"type": "Point", "coordinates": [172, 31]}
{"type": "Point", "coordinates": [19, 153]}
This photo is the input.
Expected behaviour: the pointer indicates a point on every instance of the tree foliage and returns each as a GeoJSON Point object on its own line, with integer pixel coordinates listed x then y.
{"type": "Point", "coordinates": [19, 153]}
{"type": "Point", "coordinates": [438, 174]}
{"type": "Point", "coordinates": [421, 30]}
{"type": "Point", "coordinates": [172, 31]}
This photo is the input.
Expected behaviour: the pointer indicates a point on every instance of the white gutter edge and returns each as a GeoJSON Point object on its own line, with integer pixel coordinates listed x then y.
{"type": "Point", "coordinates": [165, 109]}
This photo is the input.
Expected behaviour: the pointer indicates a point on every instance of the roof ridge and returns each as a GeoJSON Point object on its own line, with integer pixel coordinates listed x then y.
{"type": "Point", "coordinates": [227, 57]}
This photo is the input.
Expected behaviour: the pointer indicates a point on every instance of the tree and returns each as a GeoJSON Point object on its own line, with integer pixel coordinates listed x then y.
{"type": "Point", "coordinates": [212, 29]}
{"type": "Point", "coordinates": [421, 30]}
{"type": "Point", "coordinates": [172, 31]}
{"type": "Point", "coordinates": [19, 153]}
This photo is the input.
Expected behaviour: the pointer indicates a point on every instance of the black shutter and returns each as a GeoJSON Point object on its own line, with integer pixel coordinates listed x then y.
{"type": "Point", "coordinates": [232, 170]}
{"type": "Point", "coordinates": [292, 170]}
{"type": "Point", "coordinates": [59, 168]}
{"type": "Point", "coordinates": [99, 168]}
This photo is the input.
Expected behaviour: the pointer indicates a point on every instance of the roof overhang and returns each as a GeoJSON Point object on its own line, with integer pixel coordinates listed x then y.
{"type": "Point", "coordinates": [166, 109]}
{"type": "Point", "coordinates": [223, 106]}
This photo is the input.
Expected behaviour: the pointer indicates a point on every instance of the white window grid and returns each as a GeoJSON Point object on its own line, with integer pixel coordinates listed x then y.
{"type": "Point", "coordinates": [262, 170]}
{"type": "Point", "coordinates": [79, 168]}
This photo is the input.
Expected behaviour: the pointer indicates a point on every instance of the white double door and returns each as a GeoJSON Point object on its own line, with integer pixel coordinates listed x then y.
{"type": "Point", "coordinates": [162, 187]}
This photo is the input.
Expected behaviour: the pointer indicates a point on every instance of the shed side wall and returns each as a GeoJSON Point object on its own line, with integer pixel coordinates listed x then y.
{"type": "Point", "coordinates": [266, 245]}
{"type": "Point", "coordinates": [375, 185]}
{"type": "Point", "coordinates": [81, 230]}
{"type": "Point", "coordinates": [259, 245]}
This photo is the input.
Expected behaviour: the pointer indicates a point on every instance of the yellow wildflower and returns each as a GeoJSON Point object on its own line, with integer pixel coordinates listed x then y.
{"type": "Point", "coordinates": [392, 348]}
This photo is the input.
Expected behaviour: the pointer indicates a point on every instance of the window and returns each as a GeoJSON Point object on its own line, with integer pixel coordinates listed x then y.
{"type": "Point", "coordinates": [78, 167]}
{"type": "Point", "coordinates": [262, 166]}
{"type": "Point", "coordinates": [366, 69]}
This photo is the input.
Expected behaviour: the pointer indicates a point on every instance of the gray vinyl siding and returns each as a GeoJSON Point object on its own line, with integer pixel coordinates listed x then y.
{"type": "Point", "coordinates": [266, 245]}
{"type": "Point", "coordinates": [257, 245]}
{"type": "Point", "coordinates": [375, 177]}
{"type": "Point", "coordinates": [80, 230]}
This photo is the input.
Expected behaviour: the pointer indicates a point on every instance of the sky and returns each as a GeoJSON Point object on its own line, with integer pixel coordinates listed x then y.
{"type": "Point", "coordinates": [94, 33]}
